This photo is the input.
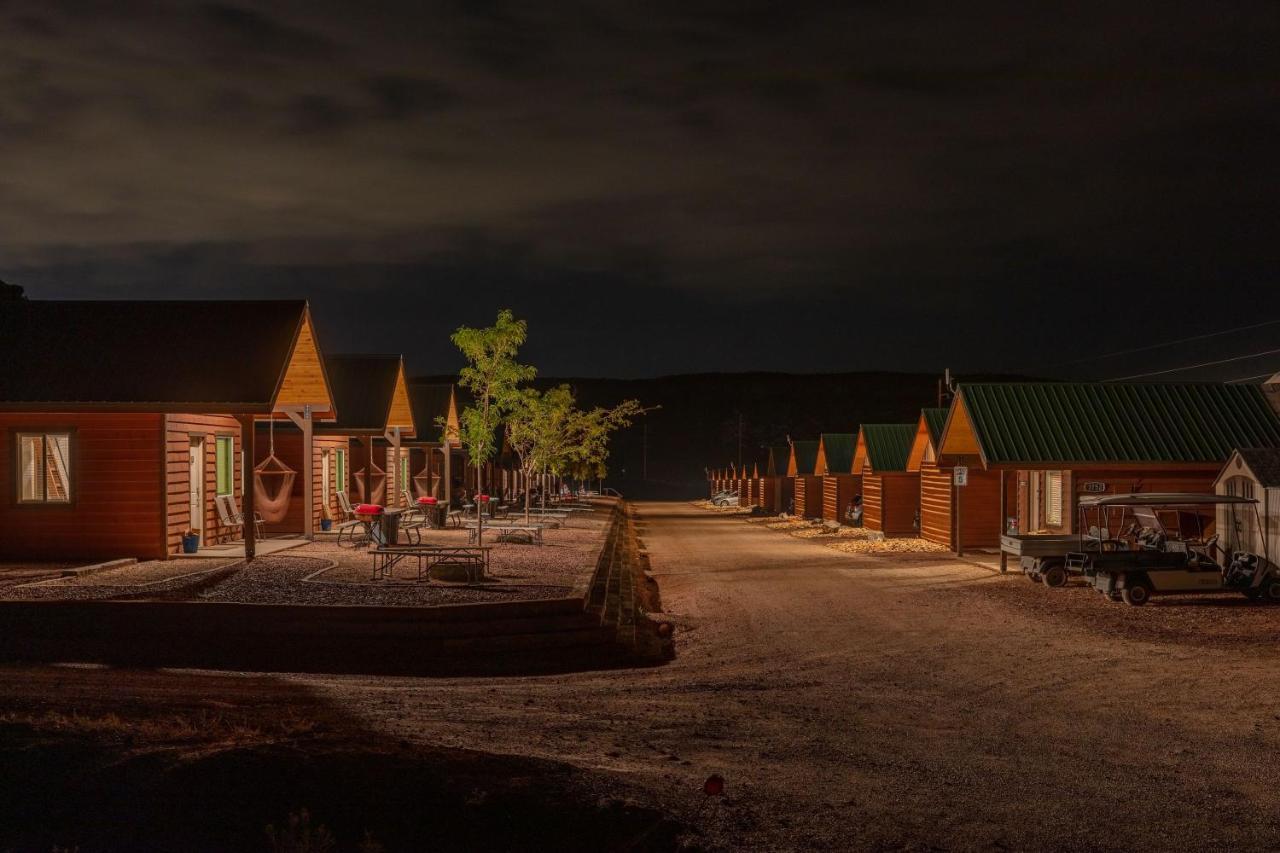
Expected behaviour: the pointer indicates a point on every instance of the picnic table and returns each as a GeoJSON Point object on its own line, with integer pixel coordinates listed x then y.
{"type": "Point", "coordinates": [474, 560]}
{"type": "Point", "coordinates": [507, 529]}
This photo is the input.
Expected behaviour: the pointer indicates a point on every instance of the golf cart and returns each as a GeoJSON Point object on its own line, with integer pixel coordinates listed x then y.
{"type": "Point", "coordinates": [1043, 556]}
{"type": "Point", "coordinates": [1160, 553]}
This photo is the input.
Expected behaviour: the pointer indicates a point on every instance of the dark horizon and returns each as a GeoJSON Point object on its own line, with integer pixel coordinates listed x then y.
{"type": "Point", "coordinates": [722, 188]}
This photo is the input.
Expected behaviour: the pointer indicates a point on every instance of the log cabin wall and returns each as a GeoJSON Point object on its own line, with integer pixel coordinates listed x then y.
{"type": "Point", "coordinates": [890, 502]}
{"type": "Point", "coordinates": [1079, 482]}
{"type": "Point", "coordinates": [809, 496]}
{"type": "Point", "coordinates": [117, 504]}
{"type": "Point", "coordinates": [768, 493]}
{"type": "Point", "coordinates": [179, 430]}
{"type": "Point", "coordinates": [837, 491]}
{"type": "Point", "coordinates": [980, 516]}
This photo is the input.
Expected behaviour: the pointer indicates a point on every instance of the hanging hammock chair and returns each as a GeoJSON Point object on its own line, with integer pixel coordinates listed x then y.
{"type": "Point", "coordinates": [273, 485]}
{"type": "Point", "coordinates": [379, 486]}
{"type": "Point", "coordinates": [422, 485]}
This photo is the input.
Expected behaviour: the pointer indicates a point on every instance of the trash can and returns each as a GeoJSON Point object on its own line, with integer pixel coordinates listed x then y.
{"type": "Point", "coordinates": [389, 527]}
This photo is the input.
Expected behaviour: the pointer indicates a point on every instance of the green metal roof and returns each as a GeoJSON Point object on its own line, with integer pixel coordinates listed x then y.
{"type": "Point", "coordinates": [777, 464]}
{"type": "Point", "coordinates": [1097, 422]}
{"type": "Point", "coordinates": [935, 420]}
{"type": "Point", "coordinates": [838, 448]}
{"type": "Point", "coordinates": [889, 445]}
{"type": "Point", "coordinates": [806, 456]}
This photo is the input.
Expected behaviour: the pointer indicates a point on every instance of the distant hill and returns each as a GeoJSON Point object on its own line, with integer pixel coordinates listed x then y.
{"type": "Point", "coordinates": [698, 425]}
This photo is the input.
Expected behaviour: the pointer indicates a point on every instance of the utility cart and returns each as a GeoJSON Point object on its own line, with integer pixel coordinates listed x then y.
{"type": "Point", "coordinates": [1154, 559]}
{"type": "Point", "coordinates": [1041, 556]}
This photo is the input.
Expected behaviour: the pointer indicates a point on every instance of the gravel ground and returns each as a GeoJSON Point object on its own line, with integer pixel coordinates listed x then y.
{"type": "Point", "coordinates": [851, 702]}
{"type": "Point", "coordinates": [849, 540]}
{"type": "Point", "coordinates": [324, 573]}
{"type": "Point", "coordinates": [151, 578]}
{"type": "Point", "coordinates": [26, 571]}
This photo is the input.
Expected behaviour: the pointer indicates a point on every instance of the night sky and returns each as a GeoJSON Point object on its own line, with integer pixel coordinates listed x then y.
{"type": "Point", "coordinates": [881, 185]}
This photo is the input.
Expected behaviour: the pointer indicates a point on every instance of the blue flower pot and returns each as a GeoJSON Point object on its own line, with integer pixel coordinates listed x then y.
{"type": "Point", "coordinates": [326, 524]}
{"type": "Point", "coordinates": [190, 544]}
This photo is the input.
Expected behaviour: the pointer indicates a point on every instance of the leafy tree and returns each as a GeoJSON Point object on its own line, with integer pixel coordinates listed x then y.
{"type": "Point", "coordinates": [590, 450]}
{"type": "Point", "coordinates": [11, 292]}
{"type": "Point", "coordinates": [540, 431]}
{"type": "Point", "coordinates": [493, 376]}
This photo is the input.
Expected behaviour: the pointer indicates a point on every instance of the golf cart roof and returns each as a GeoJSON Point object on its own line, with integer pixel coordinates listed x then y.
{"type": "Point", "coordinates": [1164, 499]}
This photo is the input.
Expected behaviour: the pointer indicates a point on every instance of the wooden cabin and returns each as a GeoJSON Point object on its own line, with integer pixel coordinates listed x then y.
{"type": "Point", "coordinates": [835, 466]}
{"type": "Point", "coordinates": [374, 417]}
{"type": "Point", "coordinates": [801, 466]}
{"type": "Point", "coordinates": [1252, 472]}
{"type": "Point", "coordinates": [890, 493]}
{"type": "Point", "coordinates": [775, 485]}
{"type": "Point", "coordinates": [431, 450]}
{"type": "Point", "coordinates": [958, 517]}
{"type": "Point", "coordinates": [125, 420]}
{"type": "Point", "coordinates": [1051, 443]}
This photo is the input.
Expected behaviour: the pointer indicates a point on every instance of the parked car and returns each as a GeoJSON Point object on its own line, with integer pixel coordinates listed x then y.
{"type": "Point", "coordinates": [1149, 561]}
{"type": "Point", "coordinates": [725, 498]}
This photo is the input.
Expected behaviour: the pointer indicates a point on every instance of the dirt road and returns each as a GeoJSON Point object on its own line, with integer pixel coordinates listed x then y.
{"type": "Point", "coordinates": [865, 703]}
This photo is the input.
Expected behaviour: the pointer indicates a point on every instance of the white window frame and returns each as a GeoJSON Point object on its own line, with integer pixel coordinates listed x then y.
{"type": "Point", "coordinates": [67, 466]}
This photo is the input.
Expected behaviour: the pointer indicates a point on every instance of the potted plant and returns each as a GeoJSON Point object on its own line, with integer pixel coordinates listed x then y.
{"type": "Point", "coordinates": [190, 541]}
{"type": "Point", "coordinates": [326, 520]}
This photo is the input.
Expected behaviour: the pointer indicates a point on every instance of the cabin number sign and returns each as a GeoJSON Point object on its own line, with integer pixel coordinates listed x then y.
{"type": "Point", "coordinates": [1094, 486]}
{"type": "Point", "coordinates": [961, 475]}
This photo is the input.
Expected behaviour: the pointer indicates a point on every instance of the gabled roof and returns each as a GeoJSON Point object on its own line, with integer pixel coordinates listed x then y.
{"type": "Point", "coordinates": [928, 432]}
{"type": "Point", "coordinates": [779, 458]}
{"type": "Point", "coordinates": [1037, 423]}
{"type": "Point", "coordinates": [835, 452]}
{"type": "Point", "coordinates": [883, 448]}
{"type": "Point", "coordinates": [804, 455]}
{"type": "Point", "coordinates": [371, 394]}
{"type": "Point", "coordinates": [1262, 462]}
{"type": "Point", "coordinates": [247, 357]}
{"type": "Point", "coordinates": [431, 401]}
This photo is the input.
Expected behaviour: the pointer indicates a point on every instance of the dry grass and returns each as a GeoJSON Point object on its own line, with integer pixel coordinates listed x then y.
{"type": "Point", "coordinates": [911, 545]}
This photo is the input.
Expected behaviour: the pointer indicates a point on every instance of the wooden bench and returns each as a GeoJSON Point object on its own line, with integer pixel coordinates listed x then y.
{"type": "Point", "coordinates": [474, 561]}
{"type": "Point", "coordinates": [531, 533]}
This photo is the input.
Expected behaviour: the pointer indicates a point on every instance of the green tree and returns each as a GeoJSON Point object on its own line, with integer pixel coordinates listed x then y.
{"type": "Point", "coordinates": [540, 431]}
{"type": "Point", "coordinates": [493, 377]}
{"type": "Point", "coordinates": [589, 452]}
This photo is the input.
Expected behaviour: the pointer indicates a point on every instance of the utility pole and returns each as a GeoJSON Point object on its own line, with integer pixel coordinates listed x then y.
{"type": "Point", "coordinates": [739, 441]}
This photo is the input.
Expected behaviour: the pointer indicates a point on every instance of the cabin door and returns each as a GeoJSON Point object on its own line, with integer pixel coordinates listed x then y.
{"type": "Point", "coordinates": [195, 478]}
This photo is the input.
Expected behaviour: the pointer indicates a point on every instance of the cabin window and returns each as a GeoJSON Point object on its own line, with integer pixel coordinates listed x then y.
{"type": "Point", "coordinates": [1053, 498]}
{"type": "Point", "coordinates": [44, 465]}
{"type": "Point", "coordinates": [226, 464]}
{"type": "Point", "coordinates": [340, 471]}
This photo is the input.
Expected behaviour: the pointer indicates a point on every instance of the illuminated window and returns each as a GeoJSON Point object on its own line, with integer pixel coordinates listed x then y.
{"type": "Point", "coordinates": [44, 461]}
{"type": "Point", "coordinates": [226, 465]}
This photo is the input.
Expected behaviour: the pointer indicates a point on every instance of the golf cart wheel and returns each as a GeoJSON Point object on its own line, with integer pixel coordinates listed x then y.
{"type": "Point", "coordinates": [1271, 591]}
{"type": "Point", "coordinates": [1054, 575]}
{"type": "Point", "coordinates": [1136, 594]}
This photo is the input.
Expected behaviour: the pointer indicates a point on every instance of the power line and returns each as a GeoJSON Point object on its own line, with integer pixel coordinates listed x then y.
{"type": "Point", "coordinates": [1160, 346]}
{"type": "Point", "coordinates": [1194, 366]}
{"type": "Point", "coordinates": [1250, 378]}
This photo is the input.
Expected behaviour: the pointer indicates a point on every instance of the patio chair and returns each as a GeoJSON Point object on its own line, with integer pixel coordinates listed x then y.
{"type": "Point", "coordinates": [348, 523]}
{"type": "Point", "coordinates": [229, 515]}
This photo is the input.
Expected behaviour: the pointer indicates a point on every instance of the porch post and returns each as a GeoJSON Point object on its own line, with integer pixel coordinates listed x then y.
{"type": "Point", "coordinates": [308, 477]}
{"type": "Point", "coordinates": [395, 446]}
{"type": "Point", "coordinates": [250, 488]}
{"type": "Point", "coordinates": [447, 452]}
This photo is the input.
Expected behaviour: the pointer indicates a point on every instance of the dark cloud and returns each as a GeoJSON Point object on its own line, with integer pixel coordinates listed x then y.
{"type": "Point", "coordinates": [935, 184]}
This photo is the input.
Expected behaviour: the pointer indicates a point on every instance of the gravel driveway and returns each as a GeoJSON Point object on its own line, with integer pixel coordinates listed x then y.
{"type": "Point", "coordinates": [856, 702]}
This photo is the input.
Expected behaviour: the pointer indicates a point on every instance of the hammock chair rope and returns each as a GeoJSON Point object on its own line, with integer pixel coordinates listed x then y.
{"type": "Point", "coordinates": [379, 485]}
{"type": "Point", "coordinates": [273, 483]}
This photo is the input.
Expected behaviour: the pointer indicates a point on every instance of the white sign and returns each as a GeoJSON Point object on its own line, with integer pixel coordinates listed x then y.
{"type": "Point", "coordinates": [961, 475]}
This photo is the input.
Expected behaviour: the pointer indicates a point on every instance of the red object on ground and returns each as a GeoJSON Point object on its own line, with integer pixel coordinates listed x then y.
{"type": "Point", "coordinates": [714, 786]}
{"type": "Point", "coordinates": [369, 509]}
{"type": "Point", "coordinates": [427, 501]}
